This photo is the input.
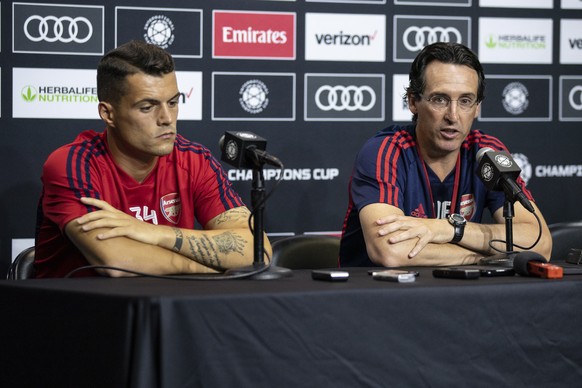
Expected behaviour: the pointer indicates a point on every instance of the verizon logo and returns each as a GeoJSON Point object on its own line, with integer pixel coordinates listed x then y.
{"type": "Point", "coordinates": [342, 39]}
{"type": "Point", "coordinates": [253, 35]}
{"type": "Point", "coordinates": [345, 37]}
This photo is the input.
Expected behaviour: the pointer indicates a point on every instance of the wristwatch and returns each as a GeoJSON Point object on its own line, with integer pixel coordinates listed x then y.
{"type": "Point", "coordinates": [458, 222]}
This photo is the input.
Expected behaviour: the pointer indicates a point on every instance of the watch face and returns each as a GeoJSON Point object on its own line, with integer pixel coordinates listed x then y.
{"type": "Point", "coordinates": [457, 218]}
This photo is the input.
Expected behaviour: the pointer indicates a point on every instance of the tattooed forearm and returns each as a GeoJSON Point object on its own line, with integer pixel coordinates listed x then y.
{"type": "Point", "coordinates": [233, 215]}
{"type": "Point", "coordinates": [230, 242]}
{"type": "Point", "coordinates": [209, 251]}
{"type": "Point", "coordinates": [204, 252]}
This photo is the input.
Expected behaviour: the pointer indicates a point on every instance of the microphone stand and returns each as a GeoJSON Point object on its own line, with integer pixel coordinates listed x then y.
{"type": "Point", "coordinates": [504, 259]}
{"type": "Point", "coordinates": [508, 213]}
{"type": "Point", "coordinates": [258, 204]}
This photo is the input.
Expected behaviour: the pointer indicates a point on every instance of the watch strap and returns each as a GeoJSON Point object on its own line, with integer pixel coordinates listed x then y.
{"type": "Point", "coordinates": [459, 231]}
{"type": "Point", "coordinates": [458, 225]}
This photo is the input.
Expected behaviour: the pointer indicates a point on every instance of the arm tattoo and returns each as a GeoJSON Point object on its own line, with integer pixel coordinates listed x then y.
{"type": "Point", "coordinates": [207, 251]}
{"type": "Point", "coordinates": [233, 214]}
{"type": "Point", "coordinates": [203, 251]}
{"type": "Point", "coordinates": [178, 243]}
{"type": "Point", "coordinates": [229, 242]}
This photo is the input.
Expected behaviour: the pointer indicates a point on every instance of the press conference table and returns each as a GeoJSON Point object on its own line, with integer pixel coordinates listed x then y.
{"type": "Point", "coordinates": [291, 332]}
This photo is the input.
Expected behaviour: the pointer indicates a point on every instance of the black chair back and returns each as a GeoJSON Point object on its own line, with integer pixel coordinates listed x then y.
{"type": "Point", "coordinates": [565, 235]}
{"type": "Point", "coordinates": [306, 252]}
{"type": "Point", "coordinates": [23, 265]}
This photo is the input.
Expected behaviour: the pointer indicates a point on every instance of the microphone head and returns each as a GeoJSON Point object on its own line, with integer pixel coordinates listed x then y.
{"type": "Point", "coordinates": [221, 143]}
{"type": "Point", "coordinates": [521, 259]}
{"type": "Point", "coordinates": [495, 165]}
{"type": "Point", "coordinates": [482, 152]}
{"type": "Point", "coordinates": [234, 145]}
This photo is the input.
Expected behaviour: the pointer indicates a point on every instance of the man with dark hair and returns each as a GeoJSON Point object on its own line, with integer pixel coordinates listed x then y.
{"type": "Point", "coordinates": [128, 59]}
{"type": "Point", "coordinates": [129, 197]}
{"type": "Point", "coordinates": [414, 197]}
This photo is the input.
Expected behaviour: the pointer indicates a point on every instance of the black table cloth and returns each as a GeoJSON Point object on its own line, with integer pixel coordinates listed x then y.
{"type": "Point", "coordinates": [291, 332]}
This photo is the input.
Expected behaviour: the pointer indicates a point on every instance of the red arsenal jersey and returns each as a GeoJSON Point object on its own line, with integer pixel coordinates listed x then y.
{"type": "Point", "coordinates": [187, 185]}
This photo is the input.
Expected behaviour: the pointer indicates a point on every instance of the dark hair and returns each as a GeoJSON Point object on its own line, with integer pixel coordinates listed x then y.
{"type": "Point", "coordinates": [130, 58]}
{"type": "Point", "coordinates": [453, 53]}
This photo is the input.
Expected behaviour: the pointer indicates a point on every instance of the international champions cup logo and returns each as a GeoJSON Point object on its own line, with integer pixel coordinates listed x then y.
{"type": "Point", "coordinates": [526, 167]}
{"type": "Point", "coordinates": [515, 98]}
{"type": "Point", "coordinates": [254, 96]}
{"type": "Point", "coordinates": [159, 31]}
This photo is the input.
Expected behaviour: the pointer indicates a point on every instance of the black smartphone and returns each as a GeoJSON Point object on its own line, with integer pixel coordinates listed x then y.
{"type": "Point", "coordinates": [456, 273]}
{"type": "Point", "coordinates": [330, 275]}
{"type": "Point", "coordinates": [490, 271]}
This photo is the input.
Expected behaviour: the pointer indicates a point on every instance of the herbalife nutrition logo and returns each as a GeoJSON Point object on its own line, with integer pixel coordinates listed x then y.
{"type": "Point", "coordinates": [29, 93]}
{"type": "Point", "coordinates": [59, 94]}
{"type": "Point", "coordinates": [516, 41]}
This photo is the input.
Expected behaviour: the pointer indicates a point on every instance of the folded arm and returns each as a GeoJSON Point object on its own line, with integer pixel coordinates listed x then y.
{"type": "Point", "coordinates": [110, 237]}
{"type": "Point", "coordinates": [394, 240]}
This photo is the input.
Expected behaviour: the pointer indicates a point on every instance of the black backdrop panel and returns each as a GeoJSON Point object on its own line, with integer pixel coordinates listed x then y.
{"type": "Point", "coordinates": [316, 138]}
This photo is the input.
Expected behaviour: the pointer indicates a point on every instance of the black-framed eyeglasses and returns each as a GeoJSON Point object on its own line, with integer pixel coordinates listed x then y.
{"type": "Point", "coordinates": [440, 102]}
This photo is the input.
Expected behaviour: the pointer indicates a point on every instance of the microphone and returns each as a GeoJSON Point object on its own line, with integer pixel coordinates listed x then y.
{"type": "Point", "coordinates": [243, 149]}
{"type": "Point", "coordinates": [499, 172]}
{"type": "Point", "coordinates": [247, 150]}
{"type": "Point", "coordinates": [530, 263]}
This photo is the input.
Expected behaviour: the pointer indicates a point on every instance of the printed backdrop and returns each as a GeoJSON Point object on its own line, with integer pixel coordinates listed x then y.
{"type": "Point", "coordinates": [316, 78]}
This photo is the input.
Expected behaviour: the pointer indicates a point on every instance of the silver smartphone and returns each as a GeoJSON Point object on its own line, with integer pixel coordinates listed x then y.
{"type": "Point", "coordinates": [395, 275]}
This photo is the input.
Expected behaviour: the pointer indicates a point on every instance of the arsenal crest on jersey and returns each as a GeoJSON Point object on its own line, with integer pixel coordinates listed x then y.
{"type": "Point", "coordinates": [171, 206]}
{"type": "Point", "coordinates": [467, 206]}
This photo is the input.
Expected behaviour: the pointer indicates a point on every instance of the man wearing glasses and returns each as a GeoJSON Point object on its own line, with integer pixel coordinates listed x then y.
{"type": "Point", "coordinates": [414, 197]}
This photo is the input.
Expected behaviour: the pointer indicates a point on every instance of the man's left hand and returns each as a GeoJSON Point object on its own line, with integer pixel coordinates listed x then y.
{"type": "Point", "coordinates": [118, 223]}
{"type": "Point", "coordinates": [426, 230]}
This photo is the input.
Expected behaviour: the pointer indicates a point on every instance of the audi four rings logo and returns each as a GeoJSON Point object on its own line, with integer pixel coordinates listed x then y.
{"type": "Point", "coordinates": [350, 98]}
{"type": "Point", "coordinates": [63, 29]}
{"type": "Point", "coordinates": [415, 38]}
